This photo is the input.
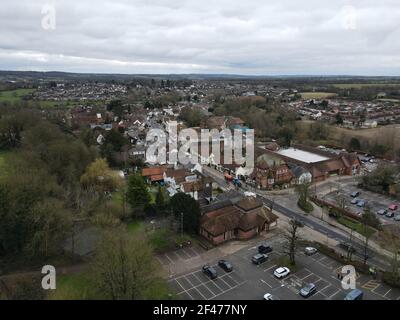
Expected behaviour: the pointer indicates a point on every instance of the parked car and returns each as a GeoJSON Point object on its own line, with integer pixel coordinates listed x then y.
{"type": "Point", "coordinates": [390, 214]}
{"type": "Point", "coordinates": [308, 290]}
{"type": "Point", "coordinates": [397, 217]}
{"type": "Point", "coordinates": [225, 265]}
{"type": "Point", "coordinates": [269, 296]}
{"type": "Point", "coordinates": [210, 271]}
{"type": "Point", "coordinates": [281, 272]}
{"type": "Point", "coordinates": [310, 251]}
{"type": "Point", "coordinates": [382, 212]}
{"type": "Point", "coordinates": [264, 248]}
{"type": "Point", "coordinates": [393, 207]}
{"type": "Point", "coordinates": [354, 201]}
{"type": "Point", "coordinates": [355, 294]}
{"type": "Point", "coordinates": [355, 194]}
{"type": "Point", "coordinates": [361, 203]}
{"type": "Point", "coordinates": [259, 258]}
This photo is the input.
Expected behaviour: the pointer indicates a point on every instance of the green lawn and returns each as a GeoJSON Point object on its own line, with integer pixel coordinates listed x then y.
{"type": "Point", "coordinates": [14, 95]}
{"type": "Point", "coordinates": [135, 226]}
{"type": "Point", "coordinates": [73, 287]}
{"type": "Point", "coordinates": [356, 226]}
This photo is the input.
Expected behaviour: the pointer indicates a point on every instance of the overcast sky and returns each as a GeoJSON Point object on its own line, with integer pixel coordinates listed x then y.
{"type": "Point", "coordinates": [262, 37]}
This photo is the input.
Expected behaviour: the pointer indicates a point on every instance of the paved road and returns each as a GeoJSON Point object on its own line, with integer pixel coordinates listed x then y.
{"type": "Point", "coordinates": [374, 259]}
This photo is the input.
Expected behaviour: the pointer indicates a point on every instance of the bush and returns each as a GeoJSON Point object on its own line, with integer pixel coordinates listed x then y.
{"type": "Point", "coordinates": [305, 206]}
{"type": "Point", "coordinates": [392, 279]}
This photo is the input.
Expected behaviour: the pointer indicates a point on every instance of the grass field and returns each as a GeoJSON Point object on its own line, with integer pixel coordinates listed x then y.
{"type": "Point", "coordinates": [363, 85]}
{"type": "Point", "coordinates": [14, 95]}
{"type": "Point", "coordinates": [387, 135]}
{"type": "Point", "coordinates": [317, 95]}
{"type": "Point", "coordinates": [73, 287]}
{"type": "Point", "coordinates": [356, 226]}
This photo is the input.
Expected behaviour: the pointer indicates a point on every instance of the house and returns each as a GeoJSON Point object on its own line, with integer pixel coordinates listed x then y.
{"type": "Point", "coordinates": [154, 174]}
{"type": "Point", "coordinates": [192, 188]}
{"type": "Point", "coordinates": [301, 174]}
{"type": "Point", "coordinates": [271, 171]}
{"type": "Point", "coordinates": [137, 152]}
{"type": "Point", "coordinates": [243, 220]}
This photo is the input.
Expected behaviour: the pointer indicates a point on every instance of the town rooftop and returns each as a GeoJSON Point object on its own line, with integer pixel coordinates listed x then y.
{"type": "Point", "coordinates": [301, 155]}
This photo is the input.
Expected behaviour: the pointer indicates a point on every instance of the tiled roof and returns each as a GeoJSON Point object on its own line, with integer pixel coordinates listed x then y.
{"type": "Point", "coordinates": [147, 172]}
{"type": "Point", "coordinates": [249, 203]}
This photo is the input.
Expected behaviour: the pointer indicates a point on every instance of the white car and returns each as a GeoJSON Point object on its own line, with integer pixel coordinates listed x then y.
{"type": "Point", "coordinates": [269, 296]}
{"type": "Point", "coordinates": [281, 272]}
{"type": "Point", "coordinates": [310, 251]}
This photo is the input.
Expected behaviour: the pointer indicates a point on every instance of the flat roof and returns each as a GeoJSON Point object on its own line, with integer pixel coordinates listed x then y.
{"type": "Point", "coordinates": [301, 155]}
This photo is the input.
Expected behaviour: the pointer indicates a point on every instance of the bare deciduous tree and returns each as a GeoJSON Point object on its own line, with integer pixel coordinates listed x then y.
{"type": "Point", "coordinates": [124, 267]}
{"type": "Point", "coordinates": [292, 239]}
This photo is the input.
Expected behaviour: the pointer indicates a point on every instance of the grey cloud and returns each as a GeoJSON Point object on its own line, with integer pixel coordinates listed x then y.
{"type": "Point", "coordinates": [245, 37]}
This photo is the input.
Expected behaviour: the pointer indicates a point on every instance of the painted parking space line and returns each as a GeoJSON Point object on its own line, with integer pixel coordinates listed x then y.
{"type": "Point", "coordinates": [205, 292]}
{"type": "Point", "coordinates": [193, 279]}
{"type": "Point", "coordinates": [192, 252]}
{"type": "Point", "coordinates": [271, 267]}
{"type": "Point", "coordinates": [169, 259]}
{"type": "Point", "coordinates": [312, 278]}
{"type": "Point", "coordinates": [193, 287]}
{"type": "Point", "coordinates": [265, 282]}
{"type": "Point", "coordinates": [214, 288]}
{"type": "Point", "coordinates": [182, 254]}
{"type": "Point", "coordinates": [302, 274]}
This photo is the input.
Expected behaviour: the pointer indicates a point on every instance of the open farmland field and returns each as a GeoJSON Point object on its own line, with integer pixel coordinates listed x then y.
{"type": "Point", "coordinates": [14, 95]}
{"type": "Point", "coordinates": [386, 135]}
{"type": "Point", "coordinates": [364, 85]}
{"type": "Point", "coordinates": [317, 95]}
{"type": "Point", "coordinates": [379, 134]}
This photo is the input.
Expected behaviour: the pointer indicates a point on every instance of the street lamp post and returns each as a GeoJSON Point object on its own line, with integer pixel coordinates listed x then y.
{"type": "Point", "coordinates": [182, 224]}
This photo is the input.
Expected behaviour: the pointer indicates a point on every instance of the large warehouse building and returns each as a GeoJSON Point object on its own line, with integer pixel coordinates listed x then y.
{"type": "Point", "coordinates": [321, 164]}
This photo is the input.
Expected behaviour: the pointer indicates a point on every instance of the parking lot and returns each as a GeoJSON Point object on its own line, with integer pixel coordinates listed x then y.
{"type": "Point", "coordinates": [197, 286]}
{"type": "Point", "coordinates": [251, 282]}
{"type": "Point", "coordinates": [375, 201]}
{"type": "Point", "coordinates": [180, 255]}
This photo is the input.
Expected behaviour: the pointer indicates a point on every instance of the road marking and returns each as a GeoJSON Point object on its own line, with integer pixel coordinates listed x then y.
{"type": "Point", "coordinates": [266, 283]}
{"type": "Point", "coordinates": [334, 294]}
{"type": "Point", "coordinates": [270, 268]}
{"type": "Point", "coordinates": [169, 259]}
{"type": "Point", "coordinates": [194, 287]}
{"type": "Point", "coordinates": [387, 292]}
{"type": "Point", "coordinates": [371, 285]}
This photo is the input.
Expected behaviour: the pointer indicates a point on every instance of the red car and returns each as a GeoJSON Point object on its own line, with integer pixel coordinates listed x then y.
{"type": "Point", "coordinates": [393, 207]}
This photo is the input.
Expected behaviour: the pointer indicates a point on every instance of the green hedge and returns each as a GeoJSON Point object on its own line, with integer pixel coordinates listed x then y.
{"type": "Point", "coordinates": [356, 226]}
{"type": "Point", "coordinates": [305, 206]}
